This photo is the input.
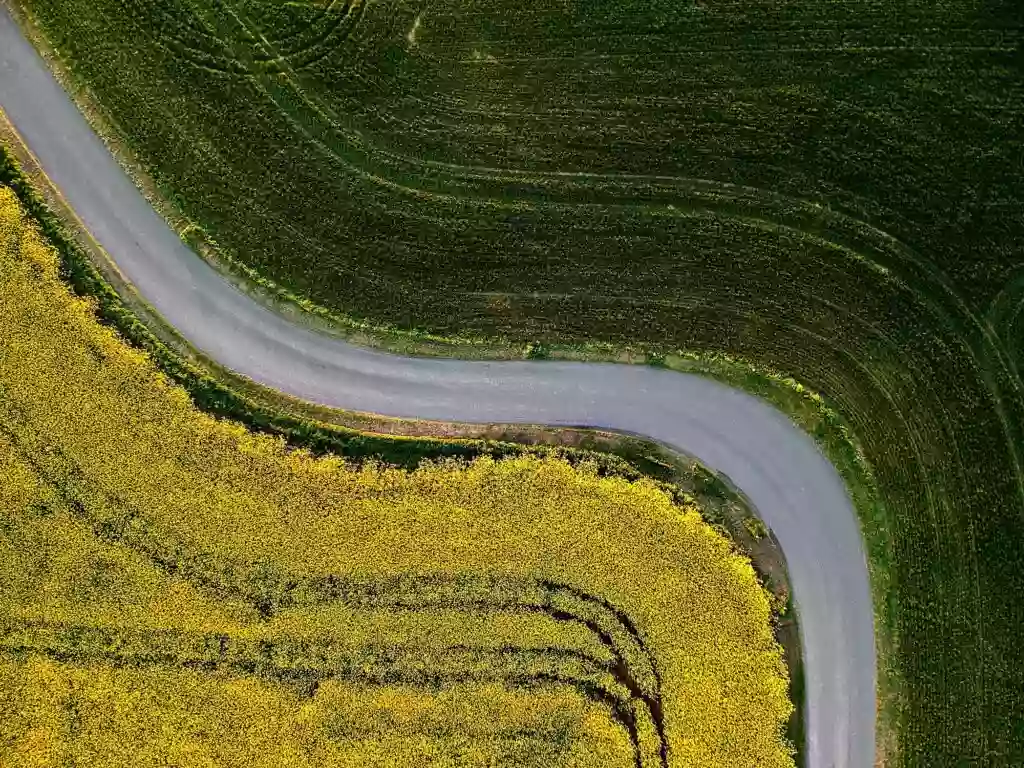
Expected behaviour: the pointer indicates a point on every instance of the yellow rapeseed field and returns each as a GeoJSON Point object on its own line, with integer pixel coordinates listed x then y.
{"type": "Point", "coordinates": [177, 590]}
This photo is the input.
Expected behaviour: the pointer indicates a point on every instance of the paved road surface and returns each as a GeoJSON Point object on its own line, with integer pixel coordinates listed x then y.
{"type": "Point", "coordinates": [797, 491]}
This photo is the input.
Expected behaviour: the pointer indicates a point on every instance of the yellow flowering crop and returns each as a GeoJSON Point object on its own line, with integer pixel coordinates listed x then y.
{"type": "Point", "coordinates": [174, 588]}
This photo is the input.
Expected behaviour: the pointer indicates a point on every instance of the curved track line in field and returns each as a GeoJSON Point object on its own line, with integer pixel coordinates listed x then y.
{"type": "Point", "coordinates": [307, 50]}
{"type": "Point", "coordinates": [707, 190]}
{"type": "Point", "coordinates": [314, 23]}
{"type": "Point", "coordinates": [218, 652]}
{"type": "Point", "coordinates": [214, 58]}
{"type": "Point", "coordinates": [123, 525]}
{"type": "Point", "coordinates": [1004, 312]}
{"type": "Point", "coordinates": [315, 50]}
{"type": "Point", "coordinates": [614, 629]}
{"type": "Point", "coordinates": [792, 485]}
{"type": "Point", "coordinates": [589, 686]}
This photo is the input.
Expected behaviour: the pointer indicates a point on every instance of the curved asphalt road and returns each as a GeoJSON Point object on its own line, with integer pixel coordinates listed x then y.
{"type": "Point", "coordinates": [796, 491]}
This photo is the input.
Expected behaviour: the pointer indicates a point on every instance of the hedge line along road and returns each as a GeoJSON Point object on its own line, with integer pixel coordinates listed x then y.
{"type": "Point", "coordinates": [794, 488]}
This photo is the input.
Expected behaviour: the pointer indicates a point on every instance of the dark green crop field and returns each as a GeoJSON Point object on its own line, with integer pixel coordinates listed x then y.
{"type": "Point", "coordinates": [832, 190]}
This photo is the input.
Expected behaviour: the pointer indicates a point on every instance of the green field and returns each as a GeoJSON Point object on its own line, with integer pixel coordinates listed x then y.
{"type": "Point", "coordinates": [829, 190]}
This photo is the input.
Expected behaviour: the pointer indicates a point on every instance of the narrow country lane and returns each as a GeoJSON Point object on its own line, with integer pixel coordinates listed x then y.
{"type": "Point", "coordinates": [794, 488]}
